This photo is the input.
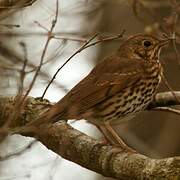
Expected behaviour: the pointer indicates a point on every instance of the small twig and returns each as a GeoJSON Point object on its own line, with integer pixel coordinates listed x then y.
{"type": "Point", "coordinates": [53, 168]}
{"type": "Point", "coordinates": [71, 39]}
{"type": "Point", "coordinates": [56, 52]}
{"type": "Point", "coordinates": [170, 88]}
{"type": "Point", "coordinates": [175, 17]}
{"type": "Point", "coordinates": [135, 4]}
{"type": "Point", "coordinates": [86, 45]}
{"type": "Point", "coordinates": [44, 51]}
{"type": "Point", "coordinates": [16, 109]}
{"type": "Point", "coordinates": [11, 6]}
{"type": "Point", "coordinates": [22, 72]}
{"type": "Point", "coordinates": [149, 11]}
{"type": "Point", "coordinates": [8, 67]}
{"type": "Point", "coordinates": [106, 39]}
{"type": "Point", "coordinates": [167, 109]}
{"type": "Point", "coordinates": [41, 26]}
{"type": "Point", "coordinates": [78, 51]}
{"type": "Point", "coordinates": [55, 55]}
{"type": "Point", "coordinates": [19, 152]}
{"type": "Point", "coordinates": [10, 26]}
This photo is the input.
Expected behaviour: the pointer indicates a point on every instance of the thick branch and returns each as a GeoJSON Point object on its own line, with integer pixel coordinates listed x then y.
{"type": "Point", "coordinates": [107, 160]}
{"type": "Point", "coordinates": [165, 99]}
{"type": "Point", "coordinates": [92, 154]}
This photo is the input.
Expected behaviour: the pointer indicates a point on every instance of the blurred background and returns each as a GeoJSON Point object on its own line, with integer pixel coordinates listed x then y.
{"type": "Point", "coordinates": [23, 30]}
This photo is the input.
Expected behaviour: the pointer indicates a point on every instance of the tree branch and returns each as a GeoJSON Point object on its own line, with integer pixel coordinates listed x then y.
{"type": "Point", "coordinates": [92, 154]}
{"type": "Point", "coordinates": [165, 99]}
{"type": "Point", "coordinates": [107, 160]}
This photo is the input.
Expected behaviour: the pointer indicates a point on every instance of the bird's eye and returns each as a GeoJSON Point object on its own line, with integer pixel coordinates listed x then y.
{"type": "Point", "coordinates": [146, 43]}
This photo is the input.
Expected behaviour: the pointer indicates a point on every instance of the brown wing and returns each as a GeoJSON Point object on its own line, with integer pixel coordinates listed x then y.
{"type": "Point", "coordinates": [109, 77]}
{"type": "Point", "coordinates": [105, 80]}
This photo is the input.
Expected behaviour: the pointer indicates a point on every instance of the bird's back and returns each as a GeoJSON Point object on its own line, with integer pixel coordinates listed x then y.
{"type": "Point", "coordinates": [111, 96]}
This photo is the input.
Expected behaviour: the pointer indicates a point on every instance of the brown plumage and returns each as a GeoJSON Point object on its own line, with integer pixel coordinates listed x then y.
{"type": "Point", "coordinates": [120, 86]}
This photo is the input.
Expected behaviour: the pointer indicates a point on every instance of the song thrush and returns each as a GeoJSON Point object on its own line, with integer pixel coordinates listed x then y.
{"type": "Point", "coordinates": [119, 87]}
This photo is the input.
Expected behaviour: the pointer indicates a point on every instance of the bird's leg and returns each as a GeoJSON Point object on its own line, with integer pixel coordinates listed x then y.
{"type": "Point", "coordinates": [117, 138]}
{"type": "Point", "coordinates": [108, 137]}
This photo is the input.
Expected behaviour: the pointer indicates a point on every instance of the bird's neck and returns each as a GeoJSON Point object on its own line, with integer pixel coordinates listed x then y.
{"type": "Point", "coordinates": [153, 68]}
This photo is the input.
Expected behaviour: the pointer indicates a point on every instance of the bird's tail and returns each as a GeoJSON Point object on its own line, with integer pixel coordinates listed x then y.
{"type": "Point", "coordinates": [54, 114]}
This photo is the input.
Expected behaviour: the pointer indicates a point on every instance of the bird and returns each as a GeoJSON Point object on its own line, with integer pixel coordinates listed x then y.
{"type": "Point", "coordinates": [117, 89]}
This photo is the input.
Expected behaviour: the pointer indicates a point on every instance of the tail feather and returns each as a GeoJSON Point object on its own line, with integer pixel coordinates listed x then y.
{"type": "Point", "coordinates": [54, 114]}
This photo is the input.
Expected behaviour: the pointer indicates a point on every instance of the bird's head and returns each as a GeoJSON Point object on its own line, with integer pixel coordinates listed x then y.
{"type": "Point", "coordinates": [145, 47]}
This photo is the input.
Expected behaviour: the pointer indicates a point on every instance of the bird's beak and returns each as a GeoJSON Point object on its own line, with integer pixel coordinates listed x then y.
{"type": "Point", "coordinates": [158, 47]}
{"type": "Point", "coordinates": [163, 42]}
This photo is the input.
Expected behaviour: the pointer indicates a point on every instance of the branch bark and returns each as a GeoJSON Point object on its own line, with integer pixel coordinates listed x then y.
{"type": "Point", "coordinates": [165, 99]}
{"type": "Point", "coordinates": [107, 160]}
{"type": "Point", "coordinates": [92, 154]}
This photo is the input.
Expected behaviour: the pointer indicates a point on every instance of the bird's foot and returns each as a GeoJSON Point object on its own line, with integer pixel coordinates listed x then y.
{"type": "Point", "coordinates": [125, 148]}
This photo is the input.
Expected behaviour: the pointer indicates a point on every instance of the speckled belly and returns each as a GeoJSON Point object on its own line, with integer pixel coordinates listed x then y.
{"type": "Point", "coordinates": [125, 105]}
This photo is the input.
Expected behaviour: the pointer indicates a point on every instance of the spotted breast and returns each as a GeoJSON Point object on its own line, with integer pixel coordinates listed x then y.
{"type": "Point", "coordinates": [127, 103]}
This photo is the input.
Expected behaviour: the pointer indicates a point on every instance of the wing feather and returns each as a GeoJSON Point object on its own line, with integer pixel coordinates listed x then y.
{"type": "Point", "coordinates": [104, 81]}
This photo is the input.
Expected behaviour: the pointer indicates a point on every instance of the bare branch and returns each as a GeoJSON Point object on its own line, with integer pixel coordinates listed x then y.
{"type": "Point", "coordinates": [164, 99]}
{"type": "Point", "coordinates": [86, 45]}
{"type": "Point", "coordinates": [107, 160]}
{"type": "Point", "coordinates": [14, 154]}
{"type": "Point", "coordinates": [170, 88]}
{"type": "Point", "coordinates": [22, 72]}
{"type": "Point", "coordinates": [78, 51]}
{"type": "Point", "coordinates": [167, 109]}
{"type": "Point", "coordinates": [49, 37]}
{"type": "Point", "coordinates": [175, 17]}
{"type": "Point", "coordinates": [104, 159]}
{"type": "Point", "coordinates": [15, 4]}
